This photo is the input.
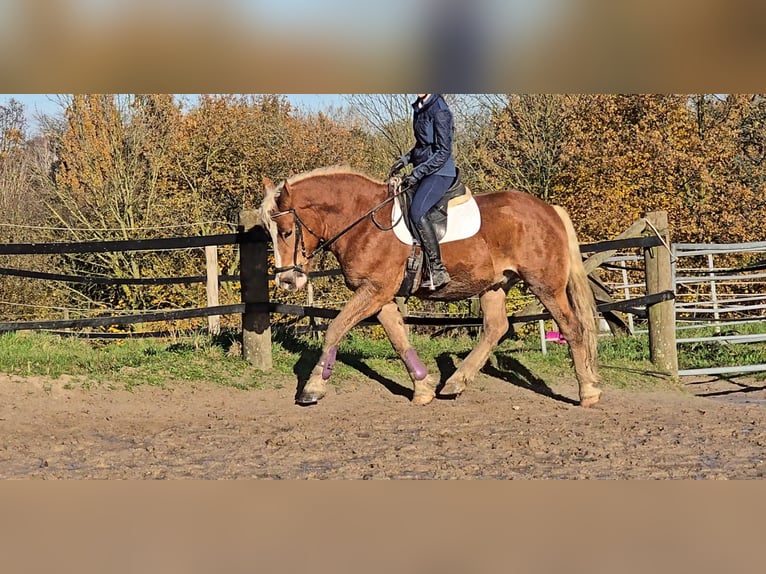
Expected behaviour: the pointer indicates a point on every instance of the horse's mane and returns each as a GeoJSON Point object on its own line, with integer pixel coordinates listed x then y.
{"type": "Point", "coordinates": [331, 170]}
{"type": "Point", "coordinates": [269, 203]}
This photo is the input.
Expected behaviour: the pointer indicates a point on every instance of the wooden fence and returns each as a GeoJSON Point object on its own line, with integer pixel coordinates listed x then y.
{"type": "Point", "coordinates": [649, 234]}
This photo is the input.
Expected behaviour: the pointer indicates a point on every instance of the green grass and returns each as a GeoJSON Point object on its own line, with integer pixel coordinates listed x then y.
{"type": "Point", "coordinates": [128, 362]}
{"type": "Point", "coordinates": [363, 355]}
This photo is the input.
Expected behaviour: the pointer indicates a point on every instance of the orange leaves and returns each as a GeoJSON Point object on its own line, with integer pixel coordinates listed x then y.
{"type": "Point", "coordinates": [91, 144]}
{"type": "Point", "coordinates": [609, 158]}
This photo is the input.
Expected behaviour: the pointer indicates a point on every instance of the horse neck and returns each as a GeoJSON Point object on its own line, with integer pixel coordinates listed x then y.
{"type": "Point", "coordinates": [337, 202]}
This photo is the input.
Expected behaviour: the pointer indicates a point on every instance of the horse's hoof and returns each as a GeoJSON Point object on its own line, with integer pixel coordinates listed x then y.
{"type": "Point", "coordinates": [422, 399]}
{"type": "Point", "coordinates": [591, 400]}
{"type": "Point", "coordinates": [309, 398]}
{"type": "Point", "coordinates": [452, 389]}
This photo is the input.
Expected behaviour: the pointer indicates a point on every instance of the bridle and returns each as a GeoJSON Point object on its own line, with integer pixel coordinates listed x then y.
{"type": "Point", "coordinates": [298, 226]}
{"type": "Point", "coordinates": [323, 244]}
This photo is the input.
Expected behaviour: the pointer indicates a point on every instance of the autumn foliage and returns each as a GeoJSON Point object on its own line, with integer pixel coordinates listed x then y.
{"type": "Point", "coordinates": [610, 158]}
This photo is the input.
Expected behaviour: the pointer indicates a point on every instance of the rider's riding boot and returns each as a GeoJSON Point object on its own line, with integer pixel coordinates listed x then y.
{"type": "Point", "coordinates": [429, 243]}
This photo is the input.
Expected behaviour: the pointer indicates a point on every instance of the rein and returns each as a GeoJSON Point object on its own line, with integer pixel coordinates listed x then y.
{"type": "Point", "coordinates": [324, 244]}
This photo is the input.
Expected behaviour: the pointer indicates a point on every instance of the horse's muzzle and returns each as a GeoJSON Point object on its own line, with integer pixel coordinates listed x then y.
{"type": "Point", "coordinates": [292, 280]}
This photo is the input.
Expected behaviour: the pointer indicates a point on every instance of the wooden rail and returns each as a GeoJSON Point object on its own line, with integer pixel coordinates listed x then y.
{"type": "Point", "coordinates": [256, 308]}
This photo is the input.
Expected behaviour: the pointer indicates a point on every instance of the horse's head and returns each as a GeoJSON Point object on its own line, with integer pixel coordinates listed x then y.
{"type": "Point", "coordinates": [293, 241]}
{"type": "Point", "coordinates": [305, 217]}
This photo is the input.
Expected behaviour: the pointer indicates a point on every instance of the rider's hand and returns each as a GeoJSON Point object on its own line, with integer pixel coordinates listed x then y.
{"type": "Point", "coordinates": [397, 167]}
{"type": "Point", "coordinates": [409, 181]}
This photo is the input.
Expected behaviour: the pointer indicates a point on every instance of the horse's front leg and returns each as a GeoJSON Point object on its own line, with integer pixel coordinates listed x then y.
{"type": "Point", "coordinates": [364, 302]}
{"type": "Point", "coordinates": [393, 323]}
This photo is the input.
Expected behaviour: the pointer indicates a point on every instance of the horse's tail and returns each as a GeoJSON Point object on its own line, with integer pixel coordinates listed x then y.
{"type": "Point", "coordinates": [579, 291]}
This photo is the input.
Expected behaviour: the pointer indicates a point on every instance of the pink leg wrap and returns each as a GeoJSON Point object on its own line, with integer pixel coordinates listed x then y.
{"type": "Point", "coordinates": [415, 365]}
{"type": "Point", "coordinates": [328, 361]}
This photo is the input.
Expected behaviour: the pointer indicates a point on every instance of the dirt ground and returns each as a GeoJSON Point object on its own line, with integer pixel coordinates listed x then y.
{"type": "Point", "coordinates": [710, 429]}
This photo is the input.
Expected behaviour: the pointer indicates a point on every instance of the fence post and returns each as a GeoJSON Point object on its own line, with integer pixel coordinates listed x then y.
{"type": "Point", "coordinates": [254, 284]}
{"type": "Point", "coordinates": [211, 287]}
{"type": "Point", "coordinates": [714, 293]}
{"type": "Point", "coordinates": [662, 316]}
{"type": "Point", "coordinates": [313, 331]}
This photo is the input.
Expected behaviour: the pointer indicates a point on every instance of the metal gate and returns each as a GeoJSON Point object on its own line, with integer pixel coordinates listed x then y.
{"type": "Point", "coordinates": [713, 291]}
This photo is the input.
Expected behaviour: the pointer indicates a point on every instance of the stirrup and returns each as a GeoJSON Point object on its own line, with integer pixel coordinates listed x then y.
{"type": "Point", "coordinates": [436, 280]}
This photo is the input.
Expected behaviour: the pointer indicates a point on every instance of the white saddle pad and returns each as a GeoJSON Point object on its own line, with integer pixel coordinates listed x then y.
{"type": "Point", "coordinates": [463, 221]}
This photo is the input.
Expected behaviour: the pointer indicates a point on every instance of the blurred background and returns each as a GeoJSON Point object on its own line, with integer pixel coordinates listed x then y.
{"type": "Point", "coordinates": [450, 45]}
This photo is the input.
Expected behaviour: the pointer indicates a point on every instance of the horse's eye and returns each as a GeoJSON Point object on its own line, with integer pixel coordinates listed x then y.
{"type": "Point", "coordinates": [285, 234]}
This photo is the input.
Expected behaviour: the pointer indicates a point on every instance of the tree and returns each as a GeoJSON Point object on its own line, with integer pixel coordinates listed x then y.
{"type": "Point", "coordinates": [731, 130]}
{"type": "Point", "coordinates": [388, 116]}
{"type": "Point", "coordinates": [624, 155]}
{"type": "Point", "coordinates": [107, 186]}
{"type": "Point", "coordinates": [21, 214]}
{"type": "Point", "coordinates": [523, 142]}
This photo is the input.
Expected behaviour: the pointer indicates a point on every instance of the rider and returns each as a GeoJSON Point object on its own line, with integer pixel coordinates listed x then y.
{"type": "Point", "coordinates": [433, 173]}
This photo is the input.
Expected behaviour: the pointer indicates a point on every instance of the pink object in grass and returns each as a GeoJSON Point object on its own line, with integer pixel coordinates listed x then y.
{"type": "Point", "coordinates": [555, 337]}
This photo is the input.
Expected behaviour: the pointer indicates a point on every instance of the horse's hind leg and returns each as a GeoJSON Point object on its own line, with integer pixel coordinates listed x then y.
{"type": "Point", "coordinates": [393, 323]}
{"type": "Point", "coordinates": [573, 330]}
{"type": "Point", "coordinates": [495, 326]}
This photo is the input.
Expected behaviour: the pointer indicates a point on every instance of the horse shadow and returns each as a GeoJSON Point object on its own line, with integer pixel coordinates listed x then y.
{"type": "Point", "coordinates": [508, 369]}
{"type": "Point", "coordinates": [308, 358]}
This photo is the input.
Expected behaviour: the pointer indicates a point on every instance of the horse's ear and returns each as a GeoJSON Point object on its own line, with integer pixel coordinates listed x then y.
{"type": "Point", "coordinates": [267, 183]}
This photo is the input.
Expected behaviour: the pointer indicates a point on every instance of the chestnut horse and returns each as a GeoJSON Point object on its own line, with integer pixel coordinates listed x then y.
{"type": "Point", "coordinates": [521, 238]}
